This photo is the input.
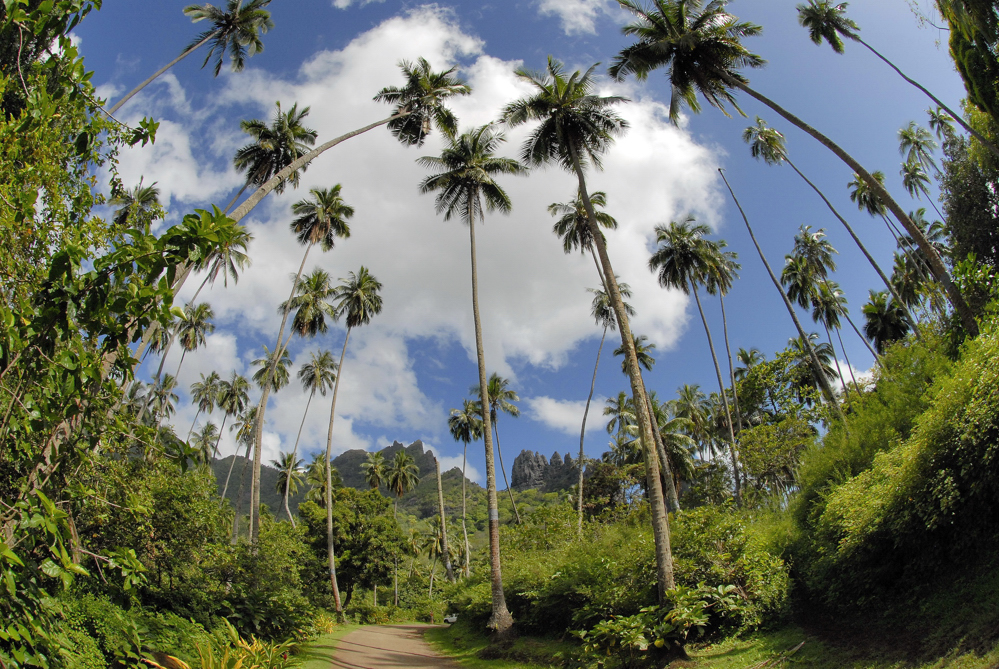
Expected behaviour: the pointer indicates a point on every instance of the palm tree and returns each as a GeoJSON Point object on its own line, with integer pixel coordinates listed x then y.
{"type": "Point", "coordinates": [245, 426]}
{"type": "Point", "coordinates": [204, 440]}
{"type": "Point", "coordinates": [576, 127]}
{"type": "Point", "coordinates": [374, 470]}
{"type": "Point", "coordinates": [401, 477]}
{"type": "Point", "coordinates": [702, 52]}
{"type": "Point", "coordinates": [828, 304]}
{"type": "Point", "coordinates": [236, 31]}
{"type": "Point", "coordinates": [273, 148]}
{"type": "Point", "coordinates": [465, 425]}
{"type": "Point", "coordinates": [885, 323]}
{"type": "Point", "coordinates": [915, 181]}
{"type": "Point", "coordinates": [319, 220]}
{"type": "Point", "coordinates": [315, 478]}
{"type": "Point", "coordinates": [823, 381]}
{"type": "Point", "coordinates": [138, 206]}
{"type": "Point", "coordinates": [417, 106]}
{"type": "Point", "coordinates": [692, 405]}
{"type": "Point", "coordinates": [827, 22]}
{"type": "Point", "coordinates": [317, 375]}
{"type": "Point", "coordinates": [163, 398]}
{"type": "Point", "coordinates": [684, 259]}
{"type": "Point", "coordinates": [193, 329]}
{"type": "Point", "coordinates": [807, 375]}
{"type": "Point", "coordinates": [573, 227]}
{"type": "Point", "coordinates": [311, 305]}
{"type": "Point", "coordinates": [280, 376]}
{"type": "Point", "coordinates": [622, 412]}
{"type": "Point", "coordinates": [445, 551]}
{"type": "Point", "coordinates": [768, 144]}
{"type": "Point", "coordinates": [465, 177]}
{"type": "Point", "coordinates": [205, 393]}
{"type": "Point", "coordinates": [232, 398]}
{"type": "Point", "coordinates": [356, 300]}
{"type": "Point", "coordinates": [500, 398]}
{"type": "Point", "coordinates": [289, 478]}
{"type": "Point", "coordinates": [677, 442]}
{"type": "Point", "coordinates": [228, 259]}
{"type": "Point", "coordinates": [603, 314]}
{"type": "Point", "coordinates": [916, 146]}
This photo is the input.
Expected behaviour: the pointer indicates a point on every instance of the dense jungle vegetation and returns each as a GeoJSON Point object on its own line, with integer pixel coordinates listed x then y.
{"type": "Point", "coordinates": [797, 496]}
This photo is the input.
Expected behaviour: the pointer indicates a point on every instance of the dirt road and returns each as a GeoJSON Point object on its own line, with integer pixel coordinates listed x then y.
{"type": "Point", "coordinates": [388, 647]}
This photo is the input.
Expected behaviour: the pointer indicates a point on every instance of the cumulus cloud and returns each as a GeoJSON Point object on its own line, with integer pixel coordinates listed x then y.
{"type": "Point", "coordinates": [577, 16]}
{"type": "Point", "coordinates": [534, 305]}
{"type": "Point", "coordinates": [566, 416]}
{"type": "Point", "coordinates": [344, 4]}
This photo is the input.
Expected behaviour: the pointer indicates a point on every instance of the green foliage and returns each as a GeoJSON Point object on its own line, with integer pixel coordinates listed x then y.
{"type": "Point", "coordinates": [926, 503]}
{"type": "Point", "coordinates": [769, 454]}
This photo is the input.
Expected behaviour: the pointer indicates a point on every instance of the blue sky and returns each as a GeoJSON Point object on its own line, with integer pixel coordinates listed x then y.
{"type": "Point", "coordinates": [416, 360]}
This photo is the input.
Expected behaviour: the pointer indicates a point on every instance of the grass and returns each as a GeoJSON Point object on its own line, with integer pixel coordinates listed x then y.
{"type": "Point", "coordinates": [471, 648]}
{"type": "Point", "coordinates": [318, 654]}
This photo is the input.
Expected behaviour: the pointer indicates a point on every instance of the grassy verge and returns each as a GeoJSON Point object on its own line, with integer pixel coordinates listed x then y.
{"type": "Point", "coordinates": [318, 654]}
{"type": "Point", "coordinates": [471, 648]}
{"type": "Point", "coordinates": [773, 647]}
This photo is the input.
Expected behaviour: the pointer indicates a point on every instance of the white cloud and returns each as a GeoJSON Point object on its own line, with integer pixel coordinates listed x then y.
{"type": "Point", "coordinates": [566, 416]}
{"type": "Point", "coordinates": [449, 462]}
{"type": "Point", "coordinates": [344, 4]}
{"type": "Point", "coordinates": [577, 16]}
{"type": "Point", "coordinates": [532, 297]}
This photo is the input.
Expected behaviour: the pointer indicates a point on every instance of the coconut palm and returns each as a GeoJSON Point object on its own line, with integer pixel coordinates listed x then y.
{"type": "Point", "coordinates": [828, 305]}
{"type": "Point", "coordinates": [204, 393]}
{"type": "Point", "coordinates": [465, 180]}
{"type": "Point", "coordinates": [273, 148]}
{"type": "Point", "coordinates": [700, 48]}
{"type": "Point", "coordinates": [674, 433]}
{"type": "Point", "coordinates": [317, 375]}
{"type": "Point", "coordinates": [684, 260]}
{"type": "Point", "coordinates": [941, 123]}
{"type": "Point", "coordinates": [916, 145]}
{"type": "Point", "coordinates": [465, 425]}
{"type": "Point", "coordinates": [916, 183]}
{"type": "Point", "coordinates": [320, 220]}
{"type": "Point", "coordinates": [823, 381]}
{"type": "Point", "coordinates": [573, 227]}
{"type": "Point", "coordinates": [315, 478]}
{"type": "Point", "coordinates": [575, 128]}
{"type": "Point", "coordinates": [622, 412]}
{"type": "Point", "coordinates": [827, 22]}
{"type": "Point", "coordinates": [204, 440]}
{"type": "Point", "coordinates": [603, 314]}
{"type": "Point", "coordinates": [885, 323]}
{"type": "Point", "coordinates": [374, 470]}
{"type": "Point", "coordinates": [233, 396]}
{"type": "Point", "coordinates": [137, 207]}
{"type": "Point", "coordinates": [228, 258]}
{"type": "Point", "coordinates": [235, 30]}
{"type": "Point", "coordinates": [311, 305]}
{"type": "Point", "coordinates": [500, 398]}
{"type": "Point", "coordinates": [803, 371]}
{"type": "Point", "coordinates": [244, 427]}
{"type": "Point", "coordinates": [768, 144]}
{"type": "Point", "coordinates": [289, 478]}
{"type": "Point", "coordinates": [279, 377]}
{"type": "Point", "coordinates": [357, 301]}
{"type": "Point", "coordinates": [692, 405]}
{"type": "Point", "coordinates": [445, 550]}
{"type": "Point", "coordinates": [401, 477]}
{"type": "Point", "coordinates": [416, 107]}
{"type": "Point", "coordinates": [193, 329]}
{"type": "Point", "coordinates": [163, 399]}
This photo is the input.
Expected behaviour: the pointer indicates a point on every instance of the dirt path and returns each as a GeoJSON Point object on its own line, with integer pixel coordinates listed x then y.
{"type": "Point", "coordinates": [388, 647]}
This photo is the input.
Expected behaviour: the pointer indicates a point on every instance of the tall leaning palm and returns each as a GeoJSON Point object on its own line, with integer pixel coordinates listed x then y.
{"type": "Point", "coordinates": [500, 399]}
{"type": "Point", "coordinates": [826, 21]}
{"type": "Point", "coordinates": [317, 375]}
{"type": "Point", "coordinates": [273, 148]}
{"type": "Point", "coordinates": [465, 425]}
{"type": "Point", "coordinates": [417, 106]}
{"type": "Point", "coordinates": [235, 30]}
{"type": "Point", "coordinates": [321, 220]}
{"type": "Point", "coordinates": [289, 478]}
{"type": "Point", "coordinates": [465, 183]}
{"type": "Point", "coordinates": [204, 394]}
{"type": "Point", "coordinates": [573, 226]}
{"type": "Point", "coordinates": [603, 314]}
{"type": "Point", "coordinates": [575, 127]}
{"type": "Point", "coordinates": [684, 260]}
{"type": "Point", "coordinates": [357, 301]}
{"type": "Point", "coordinates": [700, 48]}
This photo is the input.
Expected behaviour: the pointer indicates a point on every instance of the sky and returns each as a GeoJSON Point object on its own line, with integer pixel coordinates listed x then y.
{"type": "Point", "coordinates": [416, 360]}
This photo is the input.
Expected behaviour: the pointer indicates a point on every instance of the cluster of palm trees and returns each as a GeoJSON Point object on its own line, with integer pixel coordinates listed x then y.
{"type": "Point", "coordinates": [700, 48]}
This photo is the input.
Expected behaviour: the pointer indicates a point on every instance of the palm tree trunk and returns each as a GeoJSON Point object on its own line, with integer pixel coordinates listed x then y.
{"type": "Point", "coordinates": [731, 366]}
{"type": "Point", "coordinates": [464, 529]}
{"type": "Point", "coordinates": [936, 264]}
{"type": "Point", "coordinates": [272, 183]}
{"type": "Point", "coordinates": [724, 396]}
{"type": "Point", "coordinates": [816, 366]}
{"type": "Point", "coordinates": [839, 370]}
{"type": "Point", "coordinates": [294, 455]}
{"type": "Point", "coordinates": [158, 72]}
{"type": "Point", "coordinates": [582, 432]}
{"type": "Point", "coordinates": [159, 375]}
{"type": "Point", "coordinates": [233, 200]}
{"type": "Point", "coordinates": [500, 620]}
{"type": "Point", "coordinates": [660, 519]}
{"type": "Point", "coordinates": [877, 358]}
{"type": "Point", "coordinates": [239, 496]}
{"type": "Point", "coordinates": [330, 553]}
{"type": "Point", "coordinates": [846, 356]}
{"type": "Point", "coordinates": [191, 431]}
{"type": "Point", "coordinates": [258, 436]}
{"type": "Point", "coordinates": [215, 454]}
{"type": "Point", "coordinates": [666, 467]}
{"type": "Point", "coordinates": [957, 117]}
{"type": "Point", "coordinates": [440, 509]}
{"type": "Point", "coordinates": [503, 469]}
{"type": "Point", "coordinates": [867, 254]}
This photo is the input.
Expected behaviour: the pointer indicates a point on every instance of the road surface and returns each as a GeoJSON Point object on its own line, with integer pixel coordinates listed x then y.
{"type": "Point", "coordinates": [388, 647]}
